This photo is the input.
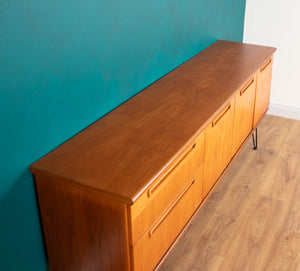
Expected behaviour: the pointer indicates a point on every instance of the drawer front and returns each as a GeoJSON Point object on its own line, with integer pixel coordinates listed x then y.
{"type": "Point", "coordinates": [149, 250]}
{"type": "Point", "coordinates": [159, 195]}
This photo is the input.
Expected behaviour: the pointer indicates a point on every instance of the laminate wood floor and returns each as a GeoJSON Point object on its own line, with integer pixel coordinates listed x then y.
{"type": "Point", "coordinates": [252, 219]}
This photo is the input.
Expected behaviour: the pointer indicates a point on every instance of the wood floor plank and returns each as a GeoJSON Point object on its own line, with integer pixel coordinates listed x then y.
{"type": "Point", "coordinates": [252, 220]}
{"type": "Point", "coordinates": [284, 167]}
{"type": "Point", "coordinates": [254, 233]}
{"type": "Point", "coordinates": [284, 253]}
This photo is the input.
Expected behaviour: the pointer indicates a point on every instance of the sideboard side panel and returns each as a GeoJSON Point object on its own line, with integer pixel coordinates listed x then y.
{"type": "Point", "coordinates": [82, 230]}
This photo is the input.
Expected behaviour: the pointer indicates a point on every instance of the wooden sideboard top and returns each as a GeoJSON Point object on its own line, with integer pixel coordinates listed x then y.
{"type": "Point", "coordinates": [122, 153]}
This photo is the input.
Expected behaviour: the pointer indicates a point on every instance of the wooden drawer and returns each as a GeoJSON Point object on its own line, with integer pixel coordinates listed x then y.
{"type": "Point", "coordinates": [149, 250]}
{"type": "Point", "coordinates": [159, 195]}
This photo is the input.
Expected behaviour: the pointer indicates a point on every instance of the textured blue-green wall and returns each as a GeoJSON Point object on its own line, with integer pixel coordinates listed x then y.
{"type": "Point", "coordinates": [64, 64]}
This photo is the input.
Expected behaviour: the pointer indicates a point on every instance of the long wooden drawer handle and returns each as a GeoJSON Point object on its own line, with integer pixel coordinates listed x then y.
{"type": "Point", "coordinates": [265, 65]}
{"type": "Point", "coordinates": [164, 216]}
{"type": "Point", "coordinates": [156, 185]}
{"type": "Point", "coordinates": [242, 91]}
{"type": "Point", "coordinates": [214, 123]}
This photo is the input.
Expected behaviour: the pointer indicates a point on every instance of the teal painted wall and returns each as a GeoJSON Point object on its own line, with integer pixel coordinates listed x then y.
{"type": "Point", "coordinates": [64, 64]}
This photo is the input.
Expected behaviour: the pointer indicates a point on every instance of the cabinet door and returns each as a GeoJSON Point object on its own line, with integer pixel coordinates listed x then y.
{"type": "Point", "coordinates": [243, 114]}
{"type": "Point", "coordinates": [262, 97]}
{"type": "Point", "coordinates": [218, 146]}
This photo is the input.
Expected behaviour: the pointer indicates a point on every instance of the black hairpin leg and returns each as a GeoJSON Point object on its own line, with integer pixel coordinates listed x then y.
{"type": "Point", "coordinates": [254, 139]}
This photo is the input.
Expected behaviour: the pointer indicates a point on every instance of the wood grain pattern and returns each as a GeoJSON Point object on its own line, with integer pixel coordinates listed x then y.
{"type": "Point", "coordinates": [243, 114]}
{"type": "Point", "coordinates": [263, 88]}
{"type": "Point", "coordinates": [82, 230]}
{"type": "Point", "coordinates": [218, 146]}
{"type": "Point", "coordinates": [153, 125]}
{"type": "Point", "coordinates": [156, 241]}
{"type": "Point", "coordinates": [251, 221]}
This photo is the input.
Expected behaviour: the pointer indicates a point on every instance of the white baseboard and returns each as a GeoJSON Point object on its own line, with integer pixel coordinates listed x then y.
{"type": "Point", "coordinates": [284, 111]}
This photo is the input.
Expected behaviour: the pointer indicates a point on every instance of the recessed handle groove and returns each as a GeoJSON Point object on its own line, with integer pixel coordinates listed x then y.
{"type": "Point", "coordinates": [266, 65]}
{"type": "Point", "coordinates": [214, 123]}
{"type": "Point", "coordinates": [250, 82]}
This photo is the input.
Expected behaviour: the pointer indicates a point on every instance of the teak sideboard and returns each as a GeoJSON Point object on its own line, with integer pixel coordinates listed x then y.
{"type": "Point", "coordinates": [118, 195]}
